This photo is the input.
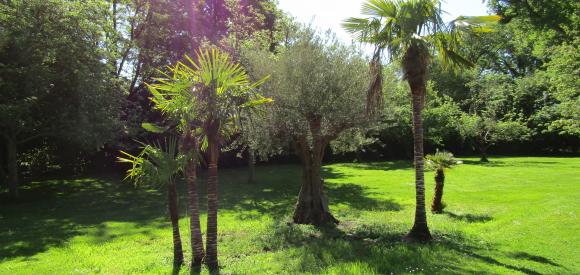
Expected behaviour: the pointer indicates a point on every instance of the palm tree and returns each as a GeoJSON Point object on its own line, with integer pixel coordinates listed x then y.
{"type": "Point", "coordinates": [439, 161]}
{"type": "Point", "coordinates": [209, 93]}
{"type": "Point", "coordinates": [413, 33]}
{"type": "Point", "coordinates": [175, 97]}
{"type": "Point", "coordinates": [159, 164]}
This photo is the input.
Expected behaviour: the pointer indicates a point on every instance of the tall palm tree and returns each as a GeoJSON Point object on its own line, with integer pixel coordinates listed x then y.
{"type": "Point", "coordinates": [439, 161]}
{"type": "Point", "coordinates": [413, 33]}
{"type": "Point", "coordinates": [209, 92]}
{"type": "Point", "coordinates": [159, 164]}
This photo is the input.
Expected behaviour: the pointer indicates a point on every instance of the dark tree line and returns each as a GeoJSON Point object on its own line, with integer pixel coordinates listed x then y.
{"type": "Point", "coordinates": [73, 75]}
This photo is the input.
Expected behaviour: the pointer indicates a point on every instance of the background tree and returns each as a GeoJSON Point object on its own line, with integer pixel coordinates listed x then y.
{"type": "Point", "coordinates": [490, 118]}
{"type": "Point", "coordinates": [312, 106]}
{"type": "Point", "coordinates": [486, 131]}
{"type": "Point", "coordinates": [439, 161]}
{"type": "Point", "coordinates": [412, 31]}
{"type": "Point", "coordinates": [54, 83]}
{"type": "Point", "coordinates": [155, 34]}
{"type": "Point", "coordinates": [536, 39]}
{"type": "Point", "coordinates": [562, 76]}
{"type": "Point", "coordinates": [160, 164]}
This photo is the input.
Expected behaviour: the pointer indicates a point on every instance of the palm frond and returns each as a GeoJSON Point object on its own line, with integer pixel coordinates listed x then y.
{"type": "Point", "coordinates": [440, 160]}
{"type": "Point", "coordinates": [156, 164]}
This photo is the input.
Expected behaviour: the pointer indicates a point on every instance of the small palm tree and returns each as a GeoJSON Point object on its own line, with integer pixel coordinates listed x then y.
{"type": "Point", "coordinates": [159, 164]}
{"type": "Point", "coordinates": [413, 33]}
{"type": "Point", "coordinates": [439, 161]}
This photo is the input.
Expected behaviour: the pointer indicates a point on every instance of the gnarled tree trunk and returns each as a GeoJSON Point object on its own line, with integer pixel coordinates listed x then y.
{"type": "Point", "coordinates": [312, 205]}
{"type": "Point", "coordinates": [174, 216]}
{"type": "Point", "coordinates": [212, 199]}
{"type": "Point", "coordinates": [437, 206]}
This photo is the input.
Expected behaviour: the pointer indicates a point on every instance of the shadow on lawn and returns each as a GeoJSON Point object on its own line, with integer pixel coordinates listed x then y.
{"type": "Point", "coordinates": [276, 194]}
{"type": "Point", "coordinates": [385, 166]}
{"type": "Point", "coordinates": [380, 249]}
{"type": "Point", "coordinates": [498, 162]}
{"type": "Point", "coordinates": [51, 212]}
{"type": "Point", "coordinates": [491, 163]}
{"type": "Point", "coordinates": [533, 258]}
{"type": "Point", "coordinates": [470, 218]}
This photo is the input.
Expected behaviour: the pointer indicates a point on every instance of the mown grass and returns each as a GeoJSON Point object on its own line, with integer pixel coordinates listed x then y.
{"type": "Point", "coordinates": [512, 215]}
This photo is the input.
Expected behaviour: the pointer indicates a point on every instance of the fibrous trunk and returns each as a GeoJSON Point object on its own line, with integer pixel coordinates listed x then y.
{"type": "Point", "coordinates": [437, 206]}
{"type": "Point", "coordinates": [174, 216]}
{"type": "Point", "coordinates": [197, 252]}
{"type": "Point", "coordinates": [212, 202]}
{"type": "Point", "coordinates": [375, 91]}
{"type": "Point", "coordinates": [420, 230]}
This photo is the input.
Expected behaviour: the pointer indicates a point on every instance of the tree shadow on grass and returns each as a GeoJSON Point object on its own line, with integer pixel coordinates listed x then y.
{"type": "Point", "coordinates": [470, 218]}
{"type": "Point", "coordinates": [534, 258]}
{"type": "Point", "coordinates": [497, 161]}
{"type": "Point", "coordinates": [357, 197]}
{"type": "Point", "coordinates": [380, 249]}
{"type": "Point", "coordinates": [51, 212]}
{"type": "Point", "coordinates": [275, 194]}
{"type": "Point", "coordinates": [384, 166]}
{"type": "Point", "coordinates": [491, 163]}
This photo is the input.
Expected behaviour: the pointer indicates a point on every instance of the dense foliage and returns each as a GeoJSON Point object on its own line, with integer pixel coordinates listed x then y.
{"type": "Point", "coordinates": [72, 78]}
{"type": "Point", "coordinates": [53, 81]}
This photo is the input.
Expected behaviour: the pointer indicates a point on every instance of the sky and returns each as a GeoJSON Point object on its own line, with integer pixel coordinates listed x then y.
{"type": "Point", "coordinates": [325, 14]}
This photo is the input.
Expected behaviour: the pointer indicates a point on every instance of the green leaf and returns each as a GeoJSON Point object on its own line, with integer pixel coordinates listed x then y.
{"type": "Point", "coordinates": [153, 128]}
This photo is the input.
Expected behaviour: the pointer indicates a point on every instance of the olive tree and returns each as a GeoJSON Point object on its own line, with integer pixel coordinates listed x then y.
{"type": "Point", "coordinates": [318, 88]}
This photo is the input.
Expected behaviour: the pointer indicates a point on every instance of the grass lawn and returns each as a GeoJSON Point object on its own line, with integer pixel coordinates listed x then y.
{"type": "Point", "coordinates": [513, 215]}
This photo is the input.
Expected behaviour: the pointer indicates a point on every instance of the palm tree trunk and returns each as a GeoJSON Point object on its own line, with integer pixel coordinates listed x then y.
{"type": "Point", "coordinates": [212, 201]}
{"type": "Point", "coordinates": [194, 224]}
{"type": "Point", "coordinates": [420, 230]}
{"type": "Point", "coordinates": [174, 216]}
{"type": "Point", "coordinates": [437, 206]}
{"type": "Point", "coordinates": [12, 165]}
